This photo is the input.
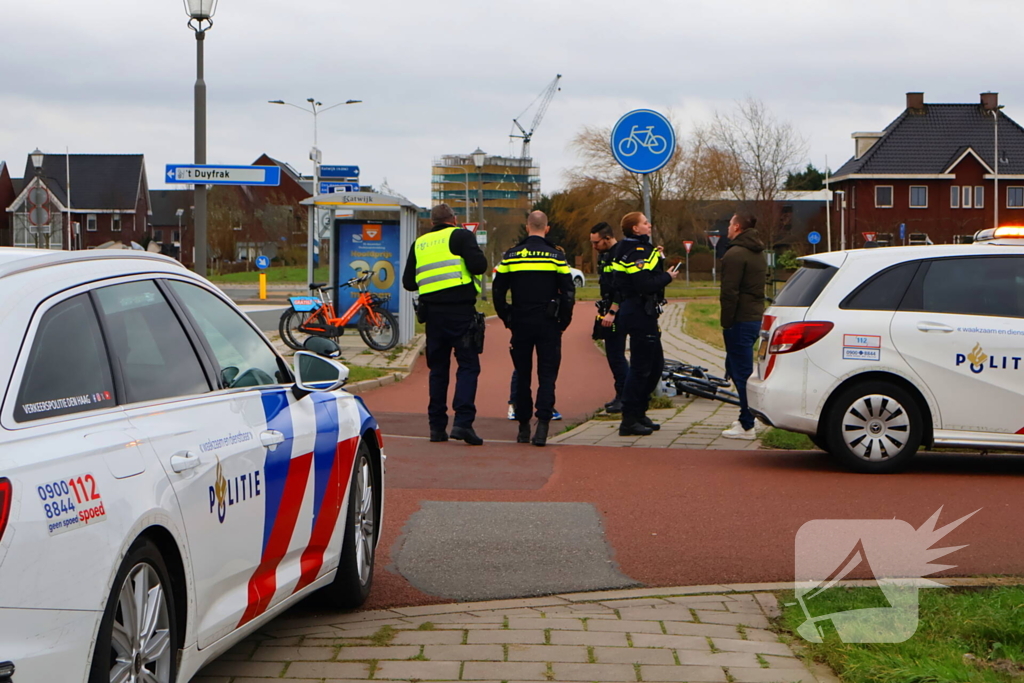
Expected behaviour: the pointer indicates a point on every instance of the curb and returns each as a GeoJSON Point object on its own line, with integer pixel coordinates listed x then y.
{"type": "Point", "coordinates": [371, 384]}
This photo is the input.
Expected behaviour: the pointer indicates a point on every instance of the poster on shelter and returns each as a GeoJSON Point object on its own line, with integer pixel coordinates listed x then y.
{"type": "Point", "coordinates": [367, 245]}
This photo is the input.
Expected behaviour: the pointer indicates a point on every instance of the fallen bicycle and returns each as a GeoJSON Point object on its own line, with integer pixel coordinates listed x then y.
{"type": "Point", "coordinates": [693, 380]}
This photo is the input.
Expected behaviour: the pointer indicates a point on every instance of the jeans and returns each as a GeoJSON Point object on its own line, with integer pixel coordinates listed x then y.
{"type": "Point", "coordinates": [739, 362]}
{"type": "Point", "coordinates": [447, 332]}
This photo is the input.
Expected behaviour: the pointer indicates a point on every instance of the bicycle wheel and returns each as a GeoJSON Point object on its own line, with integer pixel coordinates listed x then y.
{"type": "Point", "coordinates": [288, 328]}
{"type": "Point", "coordinates": [658, 144]}
{"type": "Point", "coordinates": [381, 336]}
{"type": "Point", "coordinates": [628, 147]}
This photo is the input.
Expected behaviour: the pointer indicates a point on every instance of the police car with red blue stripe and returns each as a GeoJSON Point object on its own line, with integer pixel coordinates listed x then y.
{"type": "Point", "coordinates": [876, 352]}
{"type": "Point", "coordinates": [167, 482]}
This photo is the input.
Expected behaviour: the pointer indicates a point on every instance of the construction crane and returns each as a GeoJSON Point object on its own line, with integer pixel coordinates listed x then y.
{"type": "Point", "coordinates": [545, 99]}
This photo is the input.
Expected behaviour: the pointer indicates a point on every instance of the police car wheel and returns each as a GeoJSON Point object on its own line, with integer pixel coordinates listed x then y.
{"type": "Point", "coordinates": [577, 282]}
{"type": "Point", "coordinates": [875, 427]}
{"type": "Point", "coordinates": [819, 443]}
{"type": "Point", "coordinates": [138, 635]}
{"type": "Point", "coordinates": [352, 584]}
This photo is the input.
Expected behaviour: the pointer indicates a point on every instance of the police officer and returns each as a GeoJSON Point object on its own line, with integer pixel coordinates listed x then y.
{"type": "Point", "coordinates": [602, 239]}
{"type": "Point", "coordinates": [441, 266]}
{"type": "Point", "coordinates": [543, 295]}
{"type": "Point", "coordinates": [640, 280]}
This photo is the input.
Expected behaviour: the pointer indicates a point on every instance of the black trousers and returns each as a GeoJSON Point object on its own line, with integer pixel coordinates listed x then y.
{"type": "Point", "coordinates": [448, 331]}
{"type": "Point", "coordinates": [646, 360]}
{"type": "Point", "coordinates": [546, 338]}
{"type": "Point", "coordinates": [615, 350]}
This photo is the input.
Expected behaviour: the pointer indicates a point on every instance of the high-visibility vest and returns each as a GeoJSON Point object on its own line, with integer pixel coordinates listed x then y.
{"type": "Point", "coordinates": [636, 265]}
{"type": "Point", "coordinates": [522, 259]}
{"type": "Point", "coordinates": [437, 267]}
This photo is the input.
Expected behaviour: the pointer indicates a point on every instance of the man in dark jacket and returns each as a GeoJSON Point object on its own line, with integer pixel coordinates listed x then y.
{"type": "Point", "coordinates": [543, 294]}
{"type": "Point", "coordinates": [445, 265]}
{"type": "Point", "coordinates": [742, 299]}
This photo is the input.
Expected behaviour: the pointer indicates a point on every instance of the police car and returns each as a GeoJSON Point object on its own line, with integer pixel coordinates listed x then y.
{"type": "Point", "coordinates": [876, 352]}
{"type": "Point", "coordinates": [167, 483]}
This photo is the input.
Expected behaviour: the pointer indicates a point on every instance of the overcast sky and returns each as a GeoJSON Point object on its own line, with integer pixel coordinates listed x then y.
{"type": "Point", "coordinates": [446, 76]}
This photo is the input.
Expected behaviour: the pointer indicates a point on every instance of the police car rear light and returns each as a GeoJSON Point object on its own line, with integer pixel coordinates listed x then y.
{"type": "Point", "coordinates": [6, 496]}
{"type": "Point", "coordinates": [795, 336]}
{"type": "Point", "coordinates": [1000, 233]}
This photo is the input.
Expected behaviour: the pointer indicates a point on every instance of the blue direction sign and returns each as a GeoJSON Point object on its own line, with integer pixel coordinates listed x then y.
{"type": "Point", "coordinates": [339, 171]}
{"type": "Point", "coordinates": [327, 188]}
{"type": "Point", "coordinates": [643, 141]}
{"type": "Point", "coordinates": [814, 237]}
{"type": "Point", "coordinates": [903, 231]}
{"type": "Point", "coordinates": [192, 174]}
{"type": "Point", "coordinates": [262, 262]}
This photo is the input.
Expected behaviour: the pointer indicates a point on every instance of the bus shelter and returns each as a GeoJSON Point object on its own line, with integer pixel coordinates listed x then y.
{"type": "Point", "coordinates": [368, 231]}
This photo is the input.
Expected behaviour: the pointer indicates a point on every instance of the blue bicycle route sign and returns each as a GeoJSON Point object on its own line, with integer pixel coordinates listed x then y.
{"type": "Point", "coordinates": [643, 141]}
{"type": "Point", "coordinates": [814, 237]}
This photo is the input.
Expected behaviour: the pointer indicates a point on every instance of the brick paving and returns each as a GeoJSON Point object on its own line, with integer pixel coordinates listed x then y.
{"type": "Point", "coordinates": [704, 633]}
{"type": "Point", "coordinates": [691, 423]}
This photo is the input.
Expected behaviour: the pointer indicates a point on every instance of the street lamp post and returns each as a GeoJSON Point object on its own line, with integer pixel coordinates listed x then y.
{"type": "Point", "coordinates": [995, 174]}
{"type": "Point", "coordinates": [315, 108]}
{"type": "Point", "coordinates": [465, 184]}
{"type": "Point", "coordinates": [479, 156]}
{"type": "Point", "coordinates": [200, 11]}
{"type": "Point", "coordinates": [842, 219]}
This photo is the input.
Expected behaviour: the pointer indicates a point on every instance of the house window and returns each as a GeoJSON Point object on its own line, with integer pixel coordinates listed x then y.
{"type": "Point", "coordinates": [979, 197]}
{"type": "Point", "coordinates": [177, 236]}
{"type": "Point", "coordinates": [967, 197]}
{"type": "Point", "coordinates": [1014, 197]}
{"type": "Point", "coordinates": [90, 223]}
{"type": "Point", "coordinates": [115, 223]}
{"type": "Point", "coordinates": [238, 227]}
{"type": "Point", "coordinates": [158, 235]}
{"type": "Point", "coordinates": [883, 196]}
{"type": "Point", "coordinates": [918, 197]}
{"type": "Point", "coordinates": [954, 197]}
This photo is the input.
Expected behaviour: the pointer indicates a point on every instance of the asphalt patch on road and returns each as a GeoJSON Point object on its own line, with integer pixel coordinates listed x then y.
{"type": "Point", "coordinates": [485, 551]}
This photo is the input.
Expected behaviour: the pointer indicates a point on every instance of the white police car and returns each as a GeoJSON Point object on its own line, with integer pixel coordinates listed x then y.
{"type": "Point", "coordinates": [875, 352]}
{"type": "Point", "coordinates": [167, 484]}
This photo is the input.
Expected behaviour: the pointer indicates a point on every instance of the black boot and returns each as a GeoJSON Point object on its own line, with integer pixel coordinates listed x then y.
{"type": "Point", "coordinates": [466, 434]}
{"type": "Point", "coordinates": [540, 437]}
{"type": "Point", "coordinates": [613, 407]}
{"type": "Point", "coordinates": [631, 426]}
{"type": "Point", "coordinates": [438, 435]}
{"type": "Point", "coordinates": [646, 421]}
{"type": "Point", "coordinates": [524, 433]}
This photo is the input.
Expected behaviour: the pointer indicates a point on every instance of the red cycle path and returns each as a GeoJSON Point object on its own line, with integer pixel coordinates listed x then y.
{"type": "Point", "coordinates": [675, 517]}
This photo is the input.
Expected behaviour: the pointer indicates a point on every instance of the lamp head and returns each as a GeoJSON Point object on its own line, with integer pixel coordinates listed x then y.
{"type": "Point", "coordinates": [478, 157]}
{"type": "Point", "coordinates": [37, 159]}
{"type": "Point", "coordinates": [275, 101]}
{"type": "Point", "coordinates": [200, 10]}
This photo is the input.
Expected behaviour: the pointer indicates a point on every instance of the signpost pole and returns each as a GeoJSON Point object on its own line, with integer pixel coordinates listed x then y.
{"type": "Point", "coordinates": [647, 198]}
{"type": "Point", "coordinates": [199, 235]}
{"type": "Point", "coordinates": [263, 285]}
{"type": "Point", "coordinates": [687, 267]}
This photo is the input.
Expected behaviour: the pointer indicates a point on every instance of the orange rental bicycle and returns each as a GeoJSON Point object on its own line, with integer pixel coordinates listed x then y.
{"type": "Point", "coordinates": [315, 315]}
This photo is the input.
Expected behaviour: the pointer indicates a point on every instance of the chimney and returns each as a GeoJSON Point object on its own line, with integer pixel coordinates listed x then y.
{"type": "Point", "coordinates": [989, 101]}
{"type": "Point", "coordinates": [915, 100]}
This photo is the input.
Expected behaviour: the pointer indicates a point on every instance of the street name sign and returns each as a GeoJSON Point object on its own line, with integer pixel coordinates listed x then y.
{"type": "Point", "coordinates": [193, 174]}
{"type": "Point", "coordinates": [339, 171]}
{"type": "Point", "coordinates": [481, 237]}
{"type": "Point", "coordinates": [327, 188]}
{"type": "Point", "coordinates": [643, 141]}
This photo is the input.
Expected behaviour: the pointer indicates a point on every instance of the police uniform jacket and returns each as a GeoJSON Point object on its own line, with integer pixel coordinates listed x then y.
{"type": "Point", "coordinates": [606, 274]}
{"type": "Point", "coordinates": [537, 274]}
{"type": "Point", "coordinates": [639, 271]}
{"type": "Point", "coordinates": [462, 244]}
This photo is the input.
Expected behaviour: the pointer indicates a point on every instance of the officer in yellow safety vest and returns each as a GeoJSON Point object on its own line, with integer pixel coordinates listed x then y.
{"type": "Point", "coordinates": [446, 267]}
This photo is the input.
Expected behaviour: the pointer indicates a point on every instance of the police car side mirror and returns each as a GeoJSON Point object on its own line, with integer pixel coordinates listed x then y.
{"type": "Point", "coordinates": [315, 373]}
{"type": "Point", "coordinates": [322, 346]}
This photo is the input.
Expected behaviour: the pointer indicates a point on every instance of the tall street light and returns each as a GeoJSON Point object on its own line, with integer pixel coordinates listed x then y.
{"type": "Point", "coordinates": [200, 11]}
{"type": "Point", "coordinates": [479, 156]}
{"type": "Point", "coordinates": [315, 108]}
{"type": "Point", "coordinates": [465, 184]}
{"type": "Point", "coordinates": [995, 175]}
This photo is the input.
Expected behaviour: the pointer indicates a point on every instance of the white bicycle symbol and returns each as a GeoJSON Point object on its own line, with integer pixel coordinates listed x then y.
{"type": "Point", "coordinates": [642, 138]}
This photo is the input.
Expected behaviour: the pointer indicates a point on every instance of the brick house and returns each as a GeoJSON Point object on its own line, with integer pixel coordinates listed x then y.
{"type": "Point", "coordinates": [109, 201]}
{"type": "Point", "coordinates": [172, 223]}
{"type": "Point", "coordinates": [7, 195]}
{"type": "Point", "coordinates": [932, 169]}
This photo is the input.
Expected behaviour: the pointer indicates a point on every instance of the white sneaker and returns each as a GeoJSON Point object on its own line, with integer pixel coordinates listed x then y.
{"type": "Point", "coordinates": [512, 412]}
{"type": "Point", "coordinates": [736, 431]}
